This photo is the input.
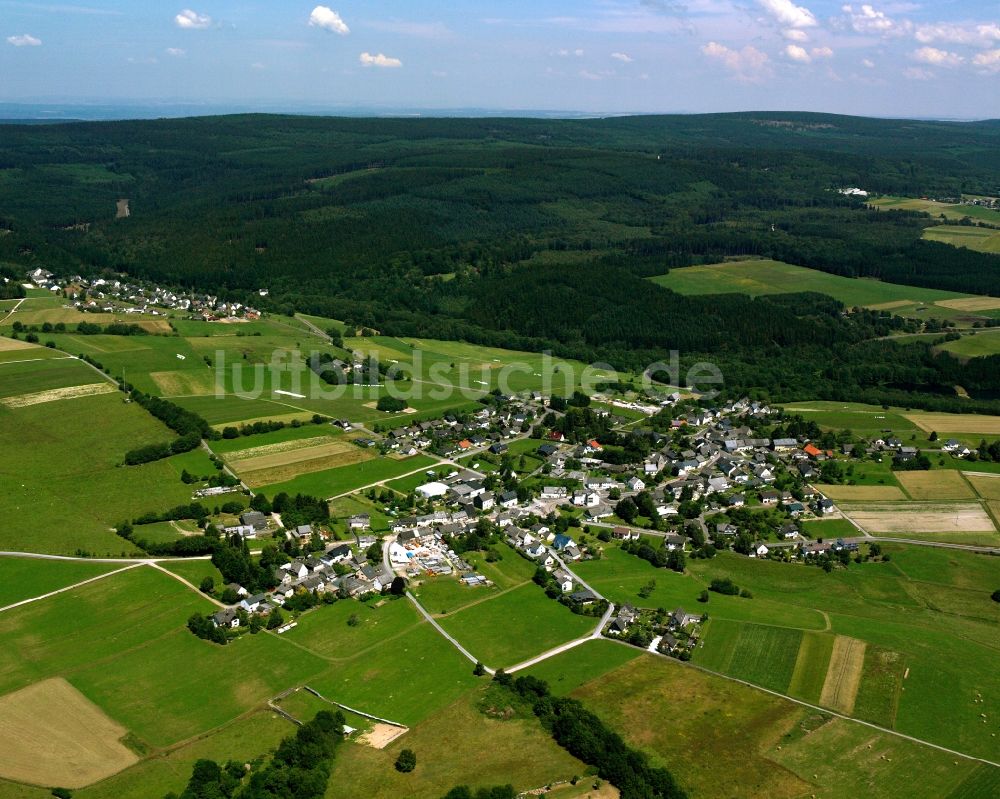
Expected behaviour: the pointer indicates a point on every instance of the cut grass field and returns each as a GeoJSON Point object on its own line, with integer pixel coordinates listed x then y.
{"type": "Point", "coordinates": [36, 376]}
{"type": "Point", "coordinates": [287, 465]}
{"type": "Point", "coordinates": [53, 735]}
{"type": "Point", "coordinates": [956, 422]}
{"type": "Point", "coordinates": [987, 486]}
{"type": "Point", "coordinates": [512, 627]}
{"type": "Point", "coordinates": [844, 674]}
{"type": "Point", "coordinates": [761, 277]}
{"type": "Point", "coordinates": [920, 517]}
{"type": "Point", "coordinates": [981, 344]}
{"type": "Point", "coordinates": [811, 665]}
{"type": "Point", "coordinates": [934, 486]}
{"type": "Point", "coordinates": [840, 493]}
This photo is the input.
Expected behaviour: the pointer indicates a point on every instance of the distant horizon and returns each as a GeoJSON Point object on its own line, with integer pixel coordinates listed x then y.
{"type": "Point", "coordinates": [121, 110]}
{"type": "Point", "coordinates": [887, 58]}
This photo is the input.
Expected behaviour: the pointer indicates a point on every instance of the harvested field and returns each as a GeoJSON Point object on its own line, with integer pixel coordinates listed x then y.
{"type": "Point", "coordinates": [956, 423]}
{"type": "Point", "coordinates": [971, 303]}
{"type": "Point", "coordinates": [988, 487]}
{"type": "Point", "coordinates": [844, 674]}
{"type": "Point", "coordinates": [185, 383]}
{"type": "Point", "coordinates": [936, 485]}
{"type": "Point", "coordinates": [51, 734]}
{"type": "Point", "coordinates": [281, 446]}
{"type": "Point", "coordinates": [888, 306]}
{"type": "Point", "coordinates": [921, 517]}
{"type": "Point", "coordinates": [861, 493]}
{"type": "Point", "coordinates": [381, 735]}
{"type": "Point", "coordinates": [56, 394]}
{"type": "Point", "coordinates": [9, 344]}
{"type": "Point", "coordinates": [288, 466]}
{"type": "Point", "coordinates": [155, 325]}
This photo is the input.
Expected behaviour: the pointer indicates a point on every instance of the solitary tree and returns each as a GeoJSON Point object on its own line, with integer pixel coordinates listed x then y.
{"type": "Point", "coordinates": [407, 761]}
{"type": "Point", "coordinates": [207, 585]}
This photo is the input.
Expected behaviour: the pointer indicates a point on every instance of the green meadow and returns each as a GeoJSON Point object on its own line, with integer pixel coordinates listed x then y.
{"type": "Point", "coordinates": [762, 277]}
{"type": "Point", "coordinates": [512, 627]}
{"type": "Point", "coordinates": [24, 578]}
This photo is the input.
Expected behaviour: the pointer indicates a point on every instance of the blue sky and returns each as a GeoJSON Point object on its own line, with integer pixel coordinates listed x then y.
{"type": "Point", "coordinates": [932, 59]}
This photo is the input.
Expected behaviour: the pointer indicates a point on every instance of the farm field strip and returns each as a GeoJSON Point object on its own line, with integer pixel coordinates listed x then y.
{"type": "Point", "coordinates": [57, 394]}
{"type": "Point", "coordinates": [844, 674]}
{"type": "Point", "coordinates": [955, 422]}
{"type": "Point", "coordinates": [920, 517]}
{"type": "Point", "coordinates": [936, 485]}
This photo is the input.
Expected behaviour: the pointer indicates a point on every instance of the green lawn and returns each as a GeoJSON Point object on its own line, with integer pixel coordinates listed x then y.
{"type": "Point", "coordinates": [761, 654]}
{"type": "Point", "coordinates": [568, 670]}
{"type": "Point", "coordinates": [510, 628]}
{"type": "Point", "coordinates": [325, 630]}
{"type": "Point", "coordinates": [811, 665]}
{"type": "Point", "coordinates": [981, 344]}
{"type": "Point", "coordinates": [31, 377]}
{"type": "Point", "coordinates": [762, 277]}
{"type": "Point", "coordinates": [975, 238]}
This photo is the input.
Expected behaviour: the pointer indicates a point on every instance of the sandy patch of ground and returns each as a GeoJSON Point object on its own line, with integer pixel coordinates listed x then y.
{"type": "Point", "coordinates": [10, 344]}
{"type": "Point", "coordinates": [374, 406]}
{"type": "Point", "coordinates": [935, 485]}
{"type": "Point", "coordinates": [860, 493]}
{"type": "Point", "coordinates": [956, 422]}
{"type": "Point", "coordinates": [55, 394]}
{"type": "Point", "coordinates": [51, 734]}
{"type": "Point", "coordinates": [971, 303]}
{"type": "Point", "coordinates": [381, 735]}
{"type": "Point", "coordinates": [843, 675]}
{"type": "Point", "coordinates": [921, 517]}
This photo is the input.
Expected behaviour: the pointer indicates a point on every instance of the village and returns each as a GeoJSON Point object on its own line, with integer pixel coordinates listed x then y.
{"type": "Point", "coordinates": [706, 479]}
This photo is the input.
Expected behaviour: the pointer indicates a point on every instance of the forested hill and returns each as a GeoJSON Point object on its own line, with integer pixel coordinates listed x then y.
{"type": "Point", "coordinates": [519, 231]}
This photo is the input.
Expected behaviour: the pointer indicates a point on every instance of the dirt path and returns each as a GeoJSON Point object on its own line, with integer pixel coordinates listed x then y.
{"type": "Point", "coordinates": [69, 587]}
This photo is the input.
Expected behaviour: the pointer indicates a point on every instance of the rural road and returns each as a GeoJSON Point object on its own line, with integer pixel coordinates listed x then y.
{"type": "Point", "coordinates": [444, 632]}
{"type": "Point", "coordinates": [69, 587]}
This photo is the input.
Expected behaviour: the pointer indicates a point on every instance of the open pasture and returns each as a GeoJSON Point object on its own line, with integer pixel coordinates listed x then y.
{"type": "Point", "coordinates": [764, 655]}
{"type": "Point", "coordinates": [762, 277]}
{"type": "Point", "coordinates": [935, 485]}
{"type": "Point", "coordinates": [512, 627]}
{"type": "Point", "coordinates": [52, 734]}
{"type": "Point", "coordinates": [24, 578]}
{"type": "Point", "coordinates": [811, 666]}
{"type": "Point", "coordinates": [184, 383]}
{"type": "Point", "coordinates": [981, 343]}
{"type": "Point", "coordinates": [921, 517]}
{"type": "Point", "coordinates": [65, 490]}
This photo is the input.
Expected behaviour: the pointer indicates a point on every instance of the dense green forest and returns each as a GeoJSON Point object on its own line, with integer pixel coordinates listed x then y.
{"type": "Point", "coordinates": [528, 233]}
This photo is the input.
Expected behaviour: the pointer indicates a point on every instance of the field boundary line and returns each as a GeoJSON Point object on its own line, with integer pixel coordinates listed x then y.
{"type": "Point", "coordinates": [818, 708]}
{"type": "Point", "coordinates": [188, 583]}
{"type": "Point", "coordinates": [355, 711]}
{"type": "Point", "coordinates": [69, 587]}
{"type": "Point", "coordinates": [448, 637]}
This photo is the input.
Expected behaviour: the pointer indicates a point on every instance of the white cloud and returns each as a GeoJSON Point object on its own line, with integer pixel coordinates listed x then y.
{"type": "Point", "coordinates": [822, 52]}
{"type": "Point", "coordinates": [380, 60]}
{"type": "Point", "coordinates": [982, 35]}
{"type": "Point", "coordinates": [24, 40]}
{"type": "Point", "coordinates": [795, 35]}
{"type": "Point", "coordinates": [624, 57]}
{"type": "Point", "coordinates": [789, 14]}
{"type": "Point", "coordinates": [936, 57]}
{"type": "Point", "coordinates": [192, 20]}
{"type": "Point", "coordinates": [990, 60]}
{"type": "Point", "coordinates": [796, 53]}
{"type": "Point", "coordinates": [749, 64]}
{"type": "Point", "coordinates": [918, 73]}
{"type": "Point", "coordinates": [176, 52]}
{"type": "Point", "coordinates": [868, 19]}
{"type": "Point", "coordinates": [326, 18]}
{"type": "Point", "coordinates": [867, 62]}
{"type": "Point", "coordinates": [564, 53]}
